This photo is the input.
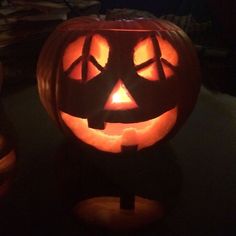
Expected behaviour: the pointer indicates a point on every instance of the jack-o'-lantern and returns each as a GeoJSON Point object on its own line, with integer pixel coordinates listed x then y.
{"type": "Point", "coordinates": [118, 84]}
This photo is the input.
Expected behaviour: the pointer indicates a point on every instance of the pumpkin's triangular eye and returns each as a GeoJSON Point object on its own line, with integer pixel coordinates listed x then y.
{"type": "Point", "coordinates": [120, 98]}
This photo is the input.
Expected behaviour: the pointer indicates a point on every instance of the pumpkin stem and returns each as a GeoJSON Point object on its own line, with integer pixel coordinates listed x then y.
{"type": "Point", "coordinates": [127, 14]}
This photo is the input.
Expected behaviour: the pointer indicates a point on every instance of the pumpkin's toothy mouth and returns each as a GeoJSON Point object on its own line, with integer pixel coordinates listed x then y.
{"type": "Point", "coordinates": [116, 135]}
{"type": "Point", "coordinates": [127, 133]}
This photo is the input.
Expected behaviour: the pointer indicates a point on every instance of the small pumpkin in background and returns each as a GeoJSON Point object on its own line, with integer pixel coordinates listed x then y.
{"type": "Point", "coordinates": [7, 165]}
{"type": "Point", "coordinates": [7, 152]}
{"type": "Point", "coordinates": [114, 84]}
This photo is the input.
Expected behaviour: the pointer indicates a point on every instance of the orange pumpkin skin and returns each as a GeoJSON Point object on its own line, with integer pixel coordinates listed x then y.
{"type": "Point", "coordinates": [113, 84]}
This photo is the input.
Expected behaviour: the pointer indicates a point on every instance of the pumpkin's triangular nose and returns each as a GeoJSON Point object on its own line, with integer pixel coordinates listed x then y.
{"type": "Point", "coordinates": [120, 98]}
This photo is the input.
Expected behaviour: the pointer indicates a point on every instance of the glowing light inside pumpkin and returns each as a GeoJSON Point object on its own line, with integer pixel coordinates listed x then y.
{"type": "Point", "coordinates": [149, 72]}
{"type": "Point", "coordinates": [99, 49]}
{"type": "Point", "coordinates": [111, 139]}
{"type": "Point", "coordinates": [73, 52]}
{"type": "Point", "coordinates": [143, 51]}
{"type": "Point", "coordinates": [92, 71]}
{"type": "Point", "coordinates": [121, 95]}
{"type": "Point", "coordinates": [96, 58]}
{"type": "Point", "coordinates": [116, 135]}
{"type": "Point", "coordinates": [120, 98]}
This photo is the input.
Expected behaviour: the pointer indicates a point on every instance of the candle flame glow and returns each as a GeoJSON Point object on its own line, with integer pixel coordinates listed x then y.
{"type": "Point", "coordinates": [120, 98]}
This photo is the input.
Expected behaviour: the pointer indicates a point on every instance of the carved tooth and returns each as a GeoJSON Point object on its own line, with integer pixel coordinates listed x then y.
{"type": "Point", "coordinates": [129, 137]}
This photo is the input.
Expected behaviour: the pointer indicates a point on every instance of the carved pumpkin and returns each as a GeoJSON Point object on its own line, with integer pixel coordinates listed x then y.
{"type": "Point", "coordinates": [118, 84]}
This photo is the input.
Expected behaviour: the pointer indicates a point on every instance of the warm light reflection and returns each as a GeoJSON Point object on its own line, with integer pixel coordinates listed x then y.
{"type": "Point", "coordinates": [120, 98]}
{"type": "Point", "coordinates": [105, 211]}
